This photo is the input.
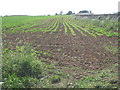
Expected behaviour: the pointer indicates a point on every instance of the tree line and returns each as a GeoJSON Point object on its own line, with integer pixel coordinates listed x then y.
{"type": "Point", "coordinates": [68, 13]}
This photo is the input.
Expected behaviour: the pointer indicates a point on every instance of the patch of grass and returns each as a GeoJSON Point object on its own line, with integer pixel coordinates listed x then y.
{"type": "Point", "coordinates": [18, 65]}
{"type": "Point", "coordinates": [106, 78]}
{"type": "Point", "coordinates": [59, 50]}
{"type": "Point", "coordinates": [111, 49]}
{"type": "Point", "coordinates": [42, 53]}
{"type": "Point", "coordinates": [13, 81]}
{"type": "Point", "coordinates": [55, 79]}
{"type": "Point", "coordinates": [11, 21]}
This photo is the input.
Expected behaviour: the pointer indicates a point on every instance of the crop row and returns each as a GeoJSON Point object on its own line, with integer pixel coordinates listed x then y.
{"type": "Point", "coordinates": [28, 26]}
{"type": "Point", "coordinates": [52, 24]}
{"type": "Point", "coordinates": [92, 29]}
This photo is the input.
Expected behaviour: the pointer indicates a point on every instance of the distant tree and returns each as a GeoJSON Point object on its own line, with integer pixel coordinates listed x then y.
{"type": "Point", "coordinates": [61, 12]}
{"type": "Point", "coordinates": [69, 13]}
{"type": "Point", "coordinates": [56, 14]}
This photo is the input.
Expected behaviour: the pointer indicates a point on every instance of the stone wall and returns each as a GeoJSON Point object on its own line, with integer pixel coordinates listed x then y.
{"type": "Point", "coordinates": [100, 16]}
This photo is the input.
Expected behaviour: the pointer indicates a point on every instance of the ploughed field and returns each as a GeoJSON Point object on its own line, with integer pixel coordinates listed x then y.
{"type": "Point", "coordinates": [64, 42]}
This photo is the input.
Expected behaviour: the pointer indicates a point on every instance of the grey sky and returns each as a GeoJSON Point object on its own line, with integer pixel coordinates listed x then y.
{"type": "Point", "coordinates": [45, 7]}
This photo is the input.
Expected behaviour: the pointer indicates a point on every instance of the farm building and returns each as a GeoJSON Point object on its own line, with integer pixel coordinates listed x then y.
{"type": "Point", "coordinates": [85, 12]}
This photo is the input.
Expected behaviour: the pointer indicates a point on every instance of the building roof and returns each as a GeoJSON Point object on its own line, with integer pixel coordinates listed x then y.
{"type": "Point", "coordinates": [85, 11]}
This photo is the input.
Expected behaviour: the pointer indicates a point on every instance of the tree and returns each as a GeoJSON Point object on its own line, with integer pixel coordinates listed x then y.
{"type": "Point", "coordinates": [69, 13]}
{"type": "Point", "coordinates": [61, 12]}
{"type": "Point", "coordinates": [56, 14]}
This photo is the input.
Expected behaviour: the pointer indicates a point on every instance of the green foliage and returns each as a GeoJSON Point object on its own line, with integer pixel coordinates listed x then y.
{"type": "Point", "coordinates": [96, 27]}
{"type": "Point", "coordinates": [13, 81]}
{"type": "Point", "coordinates": [23, 23]}
{"type": "Point", "coordinates": [101, 79]}
{"type": "Point", "coordinates": [30, 82]}
{"type": "Point", "coordinates": [111, 49]}
{"type": "Point", "coordinates": [55, 79]}
{"type": "Point", "coordinates": [65, 28]}
{"type": "Point", "coordinates": [56, 27]}
{"type": "Point", "coordinates": [10, 21]}
{"type": "Point", "coordinates": [69, 13]}
{"type": "Point", "coordinates": [20, 63]}
{"type": "Point", "coordinates": [30, 68]}
{"type": "Point", "coordinates": [59, 50]}
{"type": "Point", "coordinates": [71, 29]}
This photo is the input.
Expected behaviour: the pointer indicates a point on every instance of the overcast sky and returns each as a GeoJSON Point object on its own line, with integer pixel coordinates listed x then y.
{"type": "Point", "coordinates": [45, 7]}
